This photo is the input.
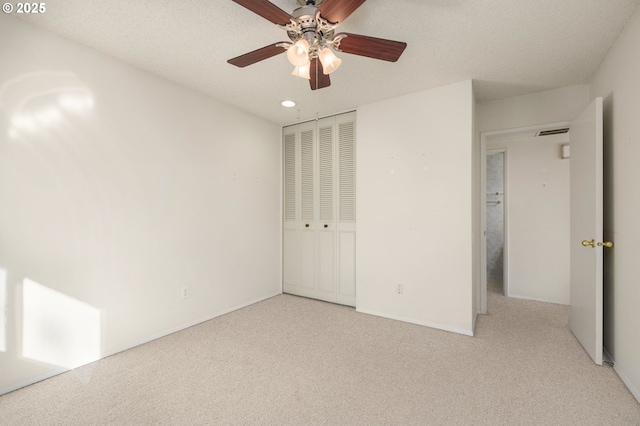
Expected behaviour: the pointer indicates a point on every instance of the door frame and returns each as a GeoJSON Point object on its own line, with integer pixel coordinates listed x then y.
{"type": "Point", "coordinates": [484, 137]}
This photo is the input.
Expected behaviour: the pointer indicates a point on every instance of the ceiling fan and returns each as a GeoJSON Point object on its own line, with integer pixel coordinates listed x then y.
{"type": "Point", "coordinates": [311, 29]}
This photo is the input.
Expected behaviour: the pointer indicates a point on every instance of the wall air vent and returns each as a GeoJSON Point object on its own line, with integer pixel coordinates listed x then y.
{"type": "Point", "coordinates": [553, 132]}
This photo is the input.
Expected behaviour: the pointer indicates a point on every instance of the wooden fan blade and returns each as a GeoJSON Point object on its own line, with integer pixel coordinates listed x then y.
{"type": "Point", "coordinates": [376, 48]}
{"type": "Point", "coordinates": [318, 79]}
{"type": "Point", "coordinates": [267, 10]}
{"type": "Point", "coordinates": [257, 55]}
{"type": "Point", "coordinates": [336, 11]}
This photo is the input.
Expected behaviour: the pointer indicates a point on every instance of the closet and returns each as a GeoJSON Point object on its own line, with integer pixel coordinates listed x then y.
{"type": "Point", "coordinates": [319, 195]}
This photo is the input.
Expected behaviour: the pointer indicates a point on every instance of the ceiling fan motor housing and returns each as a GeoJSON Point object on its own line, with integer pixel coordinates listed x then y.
{"type": "Point", "coordinates": [310, 26]}
{"type": "Point", "coordinates": [309, 2]}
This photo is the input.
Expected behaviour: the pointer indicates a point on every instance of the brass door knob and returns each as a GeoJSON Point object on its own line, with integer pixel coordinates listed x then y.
{"type": "Point", "coordinates": [307, 225]}
{"type": "Point", "coordinates": [326, 226]}
{"type": "Point", "coordinates": [591, 243]}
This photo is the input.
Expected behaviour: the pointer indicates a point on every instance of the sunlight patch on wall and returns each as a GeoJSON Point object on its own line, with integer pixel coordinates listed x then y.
{"type": "Point", "coordinates": [58, 329]}
{"type": "Point", "coordinates": [3, 310]}
{"type": "Point", "coordinates": [41, 102]}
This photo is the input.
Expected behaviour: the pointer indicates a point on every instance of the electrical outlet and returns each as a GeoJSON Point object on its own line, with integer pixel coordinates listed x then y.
{"type": "Point", "coordinates": [184, 292]}
{"type": "Point", "coordinates": [399, 288]}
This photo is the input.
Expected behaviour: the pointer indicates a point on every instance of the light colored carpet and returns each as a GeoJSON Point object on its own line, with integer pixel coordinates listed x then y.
{"type": "Point", "coordinates": [290, 360]}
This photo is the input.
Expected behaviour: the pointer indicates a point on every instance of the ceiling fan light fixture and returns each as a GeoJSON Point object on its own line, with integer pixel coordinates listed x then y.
{"type": "Point", "coordinates": [330, 62]}
{"type": "Point", "coordinates": [302, 71]}
{"type": "Point", "coordinates": [311, 29]}
{"type": "Point", "coordinates": [298, 53]}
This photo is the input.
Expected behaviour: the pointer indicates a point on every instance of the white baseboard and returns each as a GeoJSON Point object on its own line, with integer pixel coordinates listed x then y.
{"type": "Point", "coordinates": [606, 356]}
{"type": "Point", "coordinates": [33, 380]}
{"type": "Point", "coordinates": [418, 322]}
{"type": "Point", "coordinates": [147, 339]}
{"type": "Point", "coordinates": [535, 299]}
{"type": "Point", "coordinates": [189, 324]}
{"type": "Point", "coordinates": [625, 379]}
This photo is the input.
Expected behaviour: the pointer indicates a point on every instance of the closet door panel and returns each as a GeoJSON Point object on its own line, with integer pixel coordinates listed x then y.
{"type": "Point", "coordinates": [346, 227]}
{"type": "Point", "coordinates": [326, 210]}
{"type": "Point", "coordinates": [347, 168]}
{"type": "Point", "coordinates": [326, 173]}
{"type": "Point", "coordinates": [347, 270]}
{"type": "Point", "coordinates": [290, 211]}
{"type": "Point", "coordinates": [290, 260]}
{"type": "Point", "coordinates": [307, 175]}
{"type": "Point", "coordinates": [307, 285]}
{"type": "Point", "coordinates": [326, 266]}
{"type": "Point", "coordinates": [307, 224]}
{"type": "Point", "coordinates": [290, 199]}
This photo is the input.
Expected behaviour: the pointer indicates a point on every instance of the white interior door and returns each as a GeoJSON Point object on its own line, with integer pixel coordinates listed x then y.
{"type": "Point", "coordinates": [586, 226]}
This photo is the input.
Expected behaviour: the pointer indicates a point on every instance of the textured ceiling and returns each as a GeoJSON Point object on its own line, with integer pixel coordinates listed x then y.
{"type": "Point", "coordinates": [509, 47]}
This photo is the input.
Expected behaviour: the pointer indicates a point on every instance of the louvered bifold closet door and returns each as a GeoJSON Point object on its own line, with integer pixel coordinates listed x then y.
{"type": "Point", "coordinates": [319, 201]}
{"type": "Point", "coordinates": [327, 210]}
{"type": "Point", "coordinates": [346, 226]}
{"type": "Point", "coordinates": [309, 214]}
{"type": "Point", "coordinates": [290, 243]}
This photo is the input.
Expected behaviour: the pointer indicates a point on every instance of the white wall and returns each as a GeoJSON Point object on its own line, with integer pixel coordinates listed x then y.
{"type": "Point", "coordinates": [618, 82]}
{"type": "Point", "coordinates": [114, 207]}
{"type": "Point", "coordinates": [538, 211]}
{"type": "Point", "coordinates": [550, 106]}
{"type": "Point", "coordinates": [414, 177]}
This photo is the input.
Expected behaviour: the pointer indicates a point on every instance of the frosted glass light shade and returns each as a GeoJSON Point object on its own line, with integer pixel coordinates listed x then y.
{"type": "Point", "coordinates": [330, 62]}
{"type": "Point", "coordinates": [302, 71]}
{"type": "Point", "coordinates": [298, 54]}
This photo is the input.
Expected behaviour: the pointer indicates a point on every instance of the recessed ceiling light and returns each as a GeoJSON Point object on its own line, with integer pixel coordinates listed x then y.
{"type": "Point", "coordinates": [288, 104]}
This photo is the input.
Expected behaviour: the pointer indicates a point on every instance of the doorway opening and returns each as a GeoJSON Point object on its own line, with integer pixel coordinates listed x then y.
{"type": "Point", "coordinates": [526, 229]}
{"type": "Point", "coordinates": [495, 221]}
